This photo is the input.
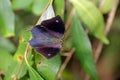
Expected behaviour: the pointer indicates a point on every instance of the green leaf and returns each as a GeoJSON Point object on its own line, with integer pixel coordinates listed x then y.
{"type": "Point", "coordinates": [106, 5]}
{"type": "Point", "coordinates": [92, 17]}
{"type": "Point", "coordinates": [6, 18]}
{"type": "Point", "coordinates": [21, 4]}
{"type": "Point", "coordinates": [48, 68]}
{"type": "Point", "coordinates": [83, 48]}
{"type": "Point", "coordinates": [6, 45]}
{"type": "Point", "coordinates": [33, 74]}
{"type": "Point", "coordinates": [59, 7]}
{"type": "Point", "coordinates": [5, 59]}
{"type": "Point", "coordinates": [18, 59]}
{"type": "Point", "coordinates": [39, 6]}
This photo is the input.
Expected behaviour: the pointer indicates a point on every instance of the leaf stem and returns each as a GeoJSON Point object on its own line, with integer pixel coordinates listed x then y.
{"type": "Point", "coordinates": [25, 55]}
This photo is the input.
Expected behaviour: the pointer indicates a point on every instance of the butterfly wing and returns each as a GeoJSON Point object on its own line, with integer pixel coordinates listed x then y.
{"type": "Point", "coordinates": [48, 52]}
{"type": "Point", "coordinates": [47, 35]}
{"type": "Point", "coordinates": [39, 31]}
{"type": "Point", "coordinates": [44, 43]}
{"type": "Point", "coordinates": [55, 25]}
{"type": "Point", "coordinates": [42, 38]}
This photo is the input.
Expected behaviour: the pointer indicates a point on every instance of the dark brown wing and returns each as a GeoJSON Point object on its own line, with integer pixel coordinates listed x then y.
{"type": "Point", "coordinates": [55, 24]}
{"type": "Point", "coordinates": [46, 35]}
{"type": "Point", "coordinates": [48, 52]}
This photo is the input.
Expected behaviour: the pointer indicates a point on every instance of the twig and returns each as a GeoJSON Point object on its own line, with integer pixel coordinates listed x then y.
{"type": "Point", "coordinates": [68, 23]}
{"type": "Point", "coordinates": [69, 54]}
{"type": "Point", "coordinates": [110, 19]}
{"type": "Point", "coordinates": [107, 28]}
{"type": "Point", "coordinates": [65, 63]}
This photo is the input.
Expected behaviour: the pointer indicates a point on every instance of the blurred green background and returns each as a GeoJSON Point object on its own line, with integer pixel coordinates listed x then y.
{"type": "Point", "coordinates": [18, 16]}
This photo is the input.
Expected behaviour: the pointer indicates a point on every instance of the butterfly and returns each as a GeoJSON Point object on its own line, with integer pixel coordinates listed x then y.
{"type": "Point", "coordinates": [47, 37]}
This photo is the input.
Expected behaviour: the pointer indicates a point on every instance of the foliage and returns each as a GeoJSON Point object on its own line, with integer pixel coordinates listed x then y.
{"type": "Point", "coordinates": [16, 17]}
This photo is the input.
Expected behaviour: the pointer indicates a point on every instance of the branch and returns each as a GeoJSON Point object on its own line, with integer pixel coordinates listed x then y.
{"type": "Point", "coordinates": [107, 29]}
{"type": "Point", "coordinates": [97, 50]}
{"type": "Point", "coordinates": [65, 62]}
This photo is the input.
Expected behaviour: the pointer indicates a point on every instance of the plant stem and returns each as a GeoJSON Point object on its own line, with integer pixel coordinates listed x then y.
{"type": "Point", "coordinates": [65, 62]}
{"type": "Point", "coordinates": [97, 49]}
